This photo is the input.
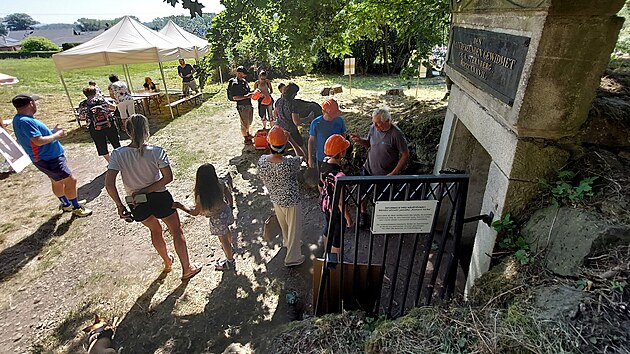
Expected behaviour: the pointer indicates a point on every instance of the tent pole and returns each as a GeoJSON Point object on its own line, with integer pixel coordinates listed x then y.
{"type": "Point", "coordinates": [168, 100]}
{"type": "Point", "coordinates": [128, 75]}
{"type": "Point", "coordinates": [69, 99]}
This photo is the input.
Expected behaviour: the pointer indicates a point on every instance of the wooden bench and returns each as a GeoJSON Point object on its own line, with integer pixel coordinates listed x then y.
{"type": "Point", "coordinates": [196, 99]}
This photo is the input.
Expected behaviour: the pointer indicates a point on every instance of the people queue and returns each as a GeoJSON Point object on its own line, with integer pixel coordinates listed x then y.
{"type": "Point", "coordinates": [145, 168]}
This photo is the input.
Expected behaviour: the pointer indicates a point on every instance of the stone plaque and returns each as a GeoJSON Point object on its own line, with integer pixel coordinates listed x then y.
{"type": "Point", "coordinates": [492, 61]}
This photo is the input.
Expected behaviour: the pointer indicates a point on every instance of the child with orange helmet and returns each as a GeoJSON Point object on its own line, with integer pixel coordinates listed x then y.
{"type": "Point", "coordinates": [279, 173]}
{"type": "Point", "coordinates": [265, 101]}
{"type": "Point", "coordinates": [335, 149]}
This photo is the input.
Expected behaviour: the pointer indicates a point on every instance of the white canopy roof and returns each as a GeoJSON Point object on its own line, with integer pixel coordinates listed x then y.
{"type": "Point", "coordinates": [179, 35]}
{"type": "Point", "coordinates": [127, 42]}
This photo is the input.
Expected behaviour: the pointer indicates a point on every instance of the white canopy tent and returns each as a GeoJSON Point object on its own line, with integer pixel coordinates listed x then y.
{"type": "Point", "coordinates": [179, 35]}
{"type": "Point", "coordinates": [127, 42]}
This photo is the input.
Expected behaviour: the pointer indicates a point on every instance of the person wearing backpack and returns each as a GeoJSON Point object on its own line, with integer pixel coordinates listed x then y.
{"type": "Point", "coordinates": [238, 90]}
{"type": "Point", "coordinates": [97, 113]}
{"type": "Point", "coordinates": [335, 149]}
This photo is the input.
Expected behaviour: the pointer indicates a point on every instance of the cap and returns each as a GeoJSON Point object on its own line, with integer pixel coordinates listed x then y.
{"type": "Point", "coordinates": [331, 107]}
{"type": "Point", "coordinates": [277, 136]}
{"type": "Point", "coordinates": [335, 144]}
{"type": "Point", "coordinates": [241, 69]}
{"type": "Point", "coordinates": [22, 100]}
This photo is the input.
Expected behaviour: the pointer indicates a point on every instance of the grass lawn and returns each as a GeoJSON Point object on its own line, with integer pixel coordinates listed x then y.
{"type": "Point", "coordinates": [39, 76]}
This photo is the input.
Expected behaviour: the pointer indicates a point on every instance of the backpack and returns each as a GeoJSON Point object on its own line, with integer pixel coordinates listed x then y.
{"type": "Point", "coordinates": [328, 191]}
{"type": "Point", "coordinates": [99, 117]}
{"type": "Point", "coordinates": [229, 89]}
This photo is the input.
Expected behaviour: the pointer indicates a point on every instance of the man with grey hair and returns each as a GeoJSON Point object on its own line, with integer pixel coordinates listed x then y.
{"type": "Point", "coordinates": [388, 152]}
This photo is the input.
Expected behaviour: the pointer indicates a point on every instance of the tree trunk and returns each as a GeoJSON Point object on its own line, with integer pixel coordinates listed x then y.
{"type": "Point", "coordinates": [385, 51]}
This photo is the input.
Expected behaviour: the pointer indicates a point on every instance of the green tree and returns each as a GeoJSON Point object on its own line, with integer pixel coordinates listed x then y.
{"type": "Point", "coordinates": [35, 43]}
{"type": "Point", "coordinates": [19, 21]}
{"type": "Point", "coordinates": [292, 33]}
{"type": "Point", "coordinates": [199, 25]}
{"type": "Point", "coordinates": [623, 42]}
{"type": "Point", "coordinates": [193, 6]}
{"type": "Point", "coordinates": [3, 29]}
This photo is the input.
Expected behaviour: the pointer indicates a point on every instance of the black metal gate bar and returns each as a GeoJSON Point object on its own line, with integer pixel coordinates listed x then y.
{"type": "Point", "coordinates": [428, 243]}
{"type": "Point", "coordinates": [452, 188]}
{"type": "Point", "coordinates": [457, 232]}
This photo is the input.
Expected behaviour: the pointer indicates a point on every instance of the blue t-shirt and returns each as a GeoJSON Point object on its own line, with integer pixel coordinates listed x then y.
{"type": "Point", "coordinates": [322, 129]}
{"type": "Point", "coordinates": [26, 127]}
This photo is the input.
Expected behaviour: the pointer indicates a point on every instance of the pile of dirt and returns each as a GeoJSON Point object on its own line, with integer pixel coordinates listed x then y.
{"type": "Point", "coordinates": [420, 121]}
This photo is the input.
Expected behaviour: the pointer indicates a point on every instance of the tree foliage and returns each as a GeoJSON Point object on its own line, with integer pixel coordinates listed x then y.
{"type": "Point", "coordinates": [292, 34]}
{"type": "Point", "coordinates": [91, 24]}
{"type": "Point", "coordinates": [193, 6]}
{"type": "Point", "coordinates": [36, 44]}
{"type": "Point", "coordinates": [19, 21]}
{"type": "Point", "coordinates": [199, 25]}
{"type": "Point", "coordinates": [3, 29]}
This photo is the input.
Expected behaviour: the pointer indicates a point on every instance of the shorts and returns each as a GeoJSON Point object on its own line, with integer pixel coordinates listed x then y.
{"type": "Point", "coordinates": [101, 137]}
{"type": "Point", "coordinates": [189, 85]}
{"type": "Point", "coordinates": [246, 113]}
{"type": "Point", "coordinates": [221, 220]}
{"type": "Point", "coordinates": [335, 233]}
{"type": "Point", "coordinates": [57, 169]}
{"type": "Point", "coordinates": [265, 112]}
{"type": "Point", "coordinates": [159, 204]}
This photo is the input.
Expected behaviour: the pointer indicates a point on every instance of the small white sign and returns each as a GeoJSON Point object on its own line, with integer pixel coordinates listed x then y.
{"type": "Point", "coordinates": [348, 66]}
{"type": "Point", "coordinates": [406, 217]}
{"type": "Point", "coordinates": [13, 152]}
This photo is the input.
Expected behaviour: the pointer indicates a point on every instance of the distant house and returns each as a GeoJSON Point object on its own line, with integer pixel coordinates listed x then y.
{"type": "Point", "coordinates": [8, 44]}
{"type": "Point", "coordinates": [57, 36]}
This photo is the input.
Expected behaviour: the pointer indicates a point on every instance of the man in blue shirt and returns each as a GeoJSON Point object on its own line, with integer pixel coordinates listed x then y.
{"type": "Point", "coordinates": [322, 127]}
{"type": "Point", "coordinates": [42, 146]}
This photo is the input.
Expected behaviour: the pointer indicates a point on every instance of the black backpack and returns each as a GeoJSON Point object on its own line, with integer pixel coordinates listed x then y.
{"type": "Point", "coordinates": [229, 90]}
{"type": "Point", "coordinates": [99, 117]}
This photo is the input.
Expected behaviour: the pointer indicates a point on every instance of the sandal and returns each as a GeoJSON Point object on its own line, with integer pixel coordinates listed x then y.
{"type": "Point", "coordinates": [225, 265]}
{"type": "Point", "coordinates": [189, 275]}
{"type": "Point", "coordinates": [169, 268]}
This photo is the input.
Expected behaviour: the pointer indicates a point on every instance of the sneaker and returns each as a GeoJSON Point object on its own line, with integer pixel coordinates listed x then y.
{"type": "Point", "coordinates": [82, 211]}
{"type": "Point", "coordinates": [225, 265]}
{"type": "Point", "coordinates": [65, 208]}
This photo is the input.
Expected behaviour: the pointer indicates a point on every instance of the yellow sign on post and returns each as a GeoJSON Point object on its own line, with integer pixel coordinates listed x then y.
{"type": "Point", "coordinates": [348, 69]}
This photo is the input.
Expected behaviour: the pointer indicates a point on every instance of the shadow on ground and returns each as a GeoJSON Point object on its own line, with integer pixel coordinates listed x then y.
{"type": "Point", "coordinates": [14, 258]}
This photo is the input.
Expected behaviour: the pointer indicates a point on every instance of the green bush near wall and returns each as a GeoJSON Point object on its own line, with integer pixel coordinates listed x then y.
{"type": "Point", "coordinates": [25, 55]}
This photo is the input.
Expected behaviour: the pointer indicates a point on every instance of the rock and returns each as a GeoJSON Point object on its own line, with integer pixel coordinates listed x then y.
{"type": "Point", "coordinates": [558, 302]}
{"type": "Point", "coordinates": [624, 155]}
{"type": "Point", "coordinates": [395, 92]}
{"type": "Point", "coordinates": [576, 234]}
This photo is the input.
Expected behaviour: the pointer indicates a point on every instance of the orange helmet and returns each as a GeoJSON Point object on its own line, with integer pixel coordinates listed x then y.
{"type": "Point", "coordinates": [335, 144]}
{"type": "Point", "coordinates": [331, 107]}
{"type": "Point", "coordinates": [266, 100]}
{"type": "Point", "coordinates": [256, 95]}
{"type": "Point", "coordinates": [277, 136]}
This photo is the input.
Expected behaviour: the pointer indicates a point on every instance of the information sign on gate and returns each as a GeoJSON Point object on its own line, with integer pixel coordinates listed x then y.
{"type": "Point", "coordinates": [403, 217]}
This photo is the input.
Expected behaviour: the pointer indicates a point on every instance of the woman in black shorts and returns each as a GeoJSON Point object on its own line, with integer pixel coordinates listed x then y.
{"type": "Point", "coordinates": [145, 172]}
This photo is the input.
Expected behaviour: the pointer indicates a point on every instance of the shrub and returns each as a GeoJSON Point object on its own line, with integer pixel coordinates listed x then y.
{"type": "Point", "coordinates": [34, 44]}
{"type": "Point", "coordinates": [68, 45]}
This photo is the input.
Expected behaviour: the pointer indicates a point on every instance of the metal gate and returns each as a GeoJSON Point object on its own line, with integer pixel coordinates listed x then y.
{"type": "Point", "coordinates": [388, 274]}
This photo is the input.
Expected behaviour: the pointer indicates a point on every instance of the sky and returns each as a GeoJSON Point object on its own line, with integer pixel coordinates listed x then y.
{"type": "Point", "coordinates": [68, 11]}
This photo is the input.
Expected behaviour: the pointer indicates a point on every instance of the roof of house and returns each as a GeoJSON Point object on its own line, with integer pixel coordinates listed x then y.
{"type": "Point", "coordinates": [57, 36]}
{"type": "Point", "coordinates": [9, 42]}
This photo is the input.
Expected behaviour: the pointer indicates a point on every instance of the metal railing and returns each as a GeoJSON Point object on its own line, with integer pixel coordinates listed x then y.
{"type": "Point", "coordinates": [388, 274]}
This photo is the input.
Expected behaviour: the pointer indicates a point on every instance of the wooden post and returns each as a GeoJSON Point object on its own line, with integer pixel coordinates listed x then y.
{"type": "Point", "coordinates": [418, 80]}
{"type": "Point", "coordinates": [350, 76]}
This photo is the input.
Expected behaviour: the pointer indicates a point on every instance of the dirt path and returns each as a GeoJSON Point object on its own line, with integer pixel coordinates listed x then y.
{"type": "Point", "coordinates": [56, 271]}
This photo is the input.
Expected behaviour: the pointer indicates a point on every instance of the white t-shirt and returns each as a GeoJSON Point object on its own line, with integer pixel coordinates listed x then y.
{"type": "Point", "coordinates": [139, 171]}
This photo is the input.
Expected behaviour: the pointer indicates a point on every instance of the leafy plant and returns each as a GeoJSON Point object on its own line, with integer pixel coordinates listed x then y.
{"type": "Point", "coordinates": [511, 239]}
{"type": "Point", "coordinates": [35, 44]}
{"type": "Point", "coordinates": [581, 284]}
{"type": "Point", "coordinates": [618, 285]}
{"type": "Point", "coordinates": [565, 191]}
